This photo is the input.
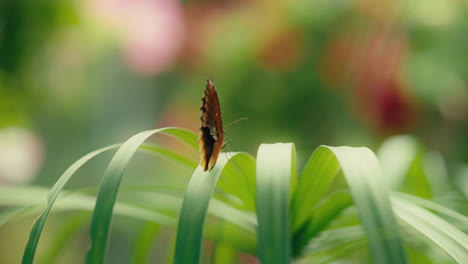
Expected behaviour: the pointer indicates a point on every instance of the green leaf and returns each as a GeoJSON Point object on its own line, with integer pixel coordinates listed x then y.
{"type": "Point", "coordinates": [366, 183]}
{"type": "Point", "coordinates": [408, 168]}
{"type": "Point", "coordinates": [194, 210]}
{"type": "Point", "coordinates": [416, 181]}
{"type": "Point", "coordinates": [325, 212]}
{"type": "Point", "coordinates": [29, 252]}
{"type": "Point", "coordinates": [314, 181]}
{"type": "Point", "coordinates": [238, 230]}
{"type": "Point", "coordinates": [436, 172]}
{"type": "Point", "coordinates": [10, 214]}
{"type": "Point", "coordinates": [226, 232]}
{"type": "Point", "coordinates": [101, 220]}
{"type": "Point", "coordinates": [69, 201]}
{"type": "Point", "coordinates": [335, 241]}
{"type": "Point", "coordinates": [462, 219]}
{"type": "Point", "coordinates": [36, 231]}
{"type": "Point", "coordinates": [275, 172]}
{"type": "Point", "coordinates": [237, 186]}
{"type": "Point", "coordinates": [169, 154]}
{"type": "Point", "coordinates": [396, 155]}
{"type": "Point", "coordinates": [445, 235]}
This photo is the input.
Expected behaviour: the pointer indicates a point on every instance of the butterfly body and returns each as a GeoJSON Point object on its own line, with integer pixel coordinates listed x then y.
{"type": "Point", "coordinates": [211, 131]}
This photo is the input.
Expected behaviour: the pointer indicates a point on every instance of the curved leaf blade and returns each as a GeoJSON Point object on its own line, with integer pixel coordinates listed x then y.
{"type": "Point", "coordinates": [36, 231]}
{"type": "Point", "coordinates": [367, 187]}
{"type": "Point", "coordinates": [366, 183]}
{"type": "Point", "coordinates": [102, 214]}
{"type": "Point", "coordinates": [445, 235]}
{"type": "Point", "coordinates": [314, 181]}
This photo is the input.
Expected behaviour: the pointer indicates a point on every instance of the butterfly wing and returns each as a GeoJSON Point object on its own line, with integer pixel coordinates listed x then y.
{"type": "Point", "coordinates": [211, 131]}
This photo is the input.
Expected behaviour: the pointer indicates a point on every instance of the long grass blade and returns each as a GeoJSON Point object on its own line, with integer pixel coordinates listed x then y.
{"type": "Point", "coordinates": [332, 239]}
{"type": "Point", "coordinates": [241, 222]}
{"type": "Point", "coordinates": [275, 172]}
{"type": "Point", "coordinates": [34, 235]}
{"type": "Point", "coordinates": [367, 187]}
{"type": "Point", "coordinates": [366, 183]}
{"type": "Point", "coordinates": [445, 235]}
{"type": "Point", "coordinates": [36, 230]}
{"type": "Point", "coordinates": [169, 154]}
{"type": "Point", "coordinates": [101, 220]}
{"type": "Point", "coordinates": [428, 204]}
{"type": "Point", "coordinates": [10, 214]}
{"type": "Point", "coordinates": [193, 212]}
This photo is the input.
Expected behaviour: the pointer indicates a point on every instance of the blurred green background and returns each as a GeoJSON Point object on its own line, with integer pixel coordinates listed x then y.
{"type": "Point", "coordinates": [79, 75]}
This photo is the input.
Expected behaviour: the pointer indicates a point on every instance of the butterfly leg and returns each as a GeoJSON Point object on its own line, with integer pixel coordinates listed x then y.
{"type": "Point", "coordinates": [224, 146]}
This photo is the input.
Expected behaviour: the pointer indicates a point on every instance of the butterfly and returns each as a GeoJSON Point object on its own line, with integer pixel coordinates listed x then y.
{"type": "Point", "coordinates": [211, 131]}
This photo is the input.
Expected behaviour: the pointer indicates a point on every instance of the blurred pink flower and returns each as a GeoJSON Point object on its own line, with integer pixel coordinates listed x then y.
{"type": "Point", "coordinates": [153, 31]}
{"type": "Point", "coordinates": [21, 155]}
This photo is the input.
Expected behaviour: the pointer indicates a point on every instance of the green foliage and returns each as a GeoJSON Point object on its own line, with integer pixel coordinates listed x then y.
{"type": "Point", "coordinates": [276, 171]}
{"type": "Point", "coordinates": [337, 207]}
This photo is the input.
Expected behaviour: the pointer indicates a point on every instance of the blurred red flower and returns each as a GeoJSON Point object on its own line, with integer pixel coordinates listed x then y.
{"type": "Point", "coordinates": [372, 64]}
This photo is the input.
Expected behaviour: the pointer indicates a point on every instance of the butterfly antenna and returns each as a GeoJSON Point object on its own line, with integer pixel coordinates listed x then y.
{"type": "Point", "coordinates": [235, 121]}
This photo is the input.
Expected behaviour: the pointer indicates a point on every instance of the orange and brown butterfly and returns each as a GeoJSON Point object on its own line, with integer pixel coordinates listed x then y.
{"type": "Point", "coordinates": [211, 131]}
